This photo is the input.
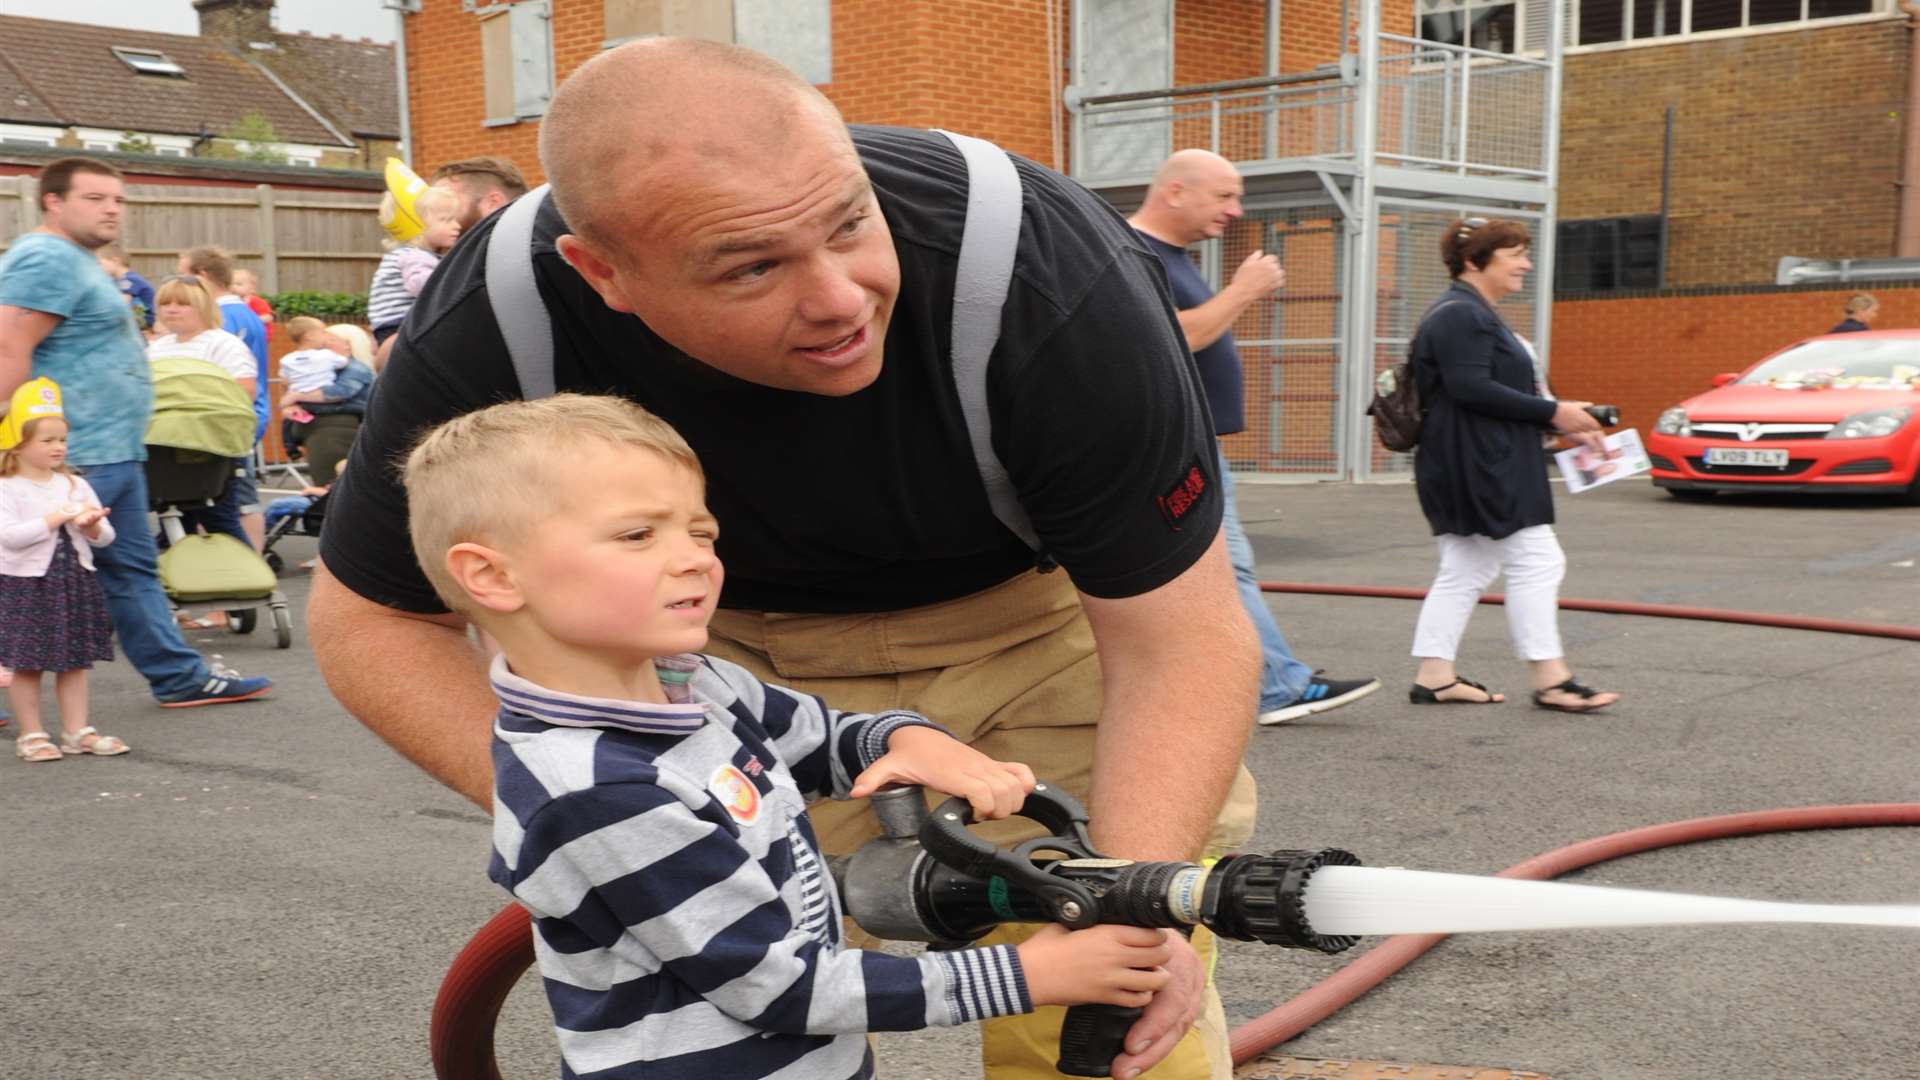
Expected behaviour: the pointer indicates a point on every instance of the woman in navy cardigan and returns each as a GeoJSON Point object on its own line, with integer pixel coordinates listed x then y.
{"type": "Point", "coordinates": [1482, 476]}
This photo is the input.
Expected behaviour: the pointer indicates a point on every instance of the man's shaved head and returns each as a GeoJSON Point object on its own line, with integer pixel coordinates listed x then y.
{"type": "Point", "coordinates": [666, 104]}
{"type": "Point", "coordinates": [718, 197]}
{"type": "Point", "coordinates": [1195, 195]}
{"type": "Point", "coordinates": [1190, 166]}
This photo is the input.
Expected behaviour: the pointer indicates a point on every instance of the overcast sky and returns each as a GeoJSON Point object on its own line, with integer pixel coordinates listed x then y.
{"type": "Point", "coordinates": [348, 18]}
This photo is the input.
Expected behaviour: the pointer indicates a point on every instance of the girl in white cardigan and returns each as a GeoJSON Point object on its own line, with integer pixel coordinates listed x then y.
{"type": "Point", "coordinates": [53, 616]}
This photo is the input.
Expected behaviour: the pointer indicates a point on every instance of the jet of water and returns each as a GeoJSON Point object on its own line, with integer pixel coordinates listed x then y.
{"type": "Point", "coordinates": [1362, 900]}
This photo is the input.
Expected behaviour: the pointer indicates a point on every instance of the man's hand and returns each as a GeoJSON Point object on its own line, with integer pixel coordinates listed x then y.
{"type": "Point", "coordinates": [1259, 275]}
{"type": "Point", "coordinates": [934, 759]}
{"type": "Point", "coordinates": [1169, 1015]}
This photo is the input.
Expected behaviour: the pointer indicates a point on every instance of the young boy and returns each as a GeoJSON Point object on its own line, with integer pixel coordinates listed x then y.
{"type": "Point", "coordinates": [649, 803]}
{"type": "Point", "coordinates": [137, 290]}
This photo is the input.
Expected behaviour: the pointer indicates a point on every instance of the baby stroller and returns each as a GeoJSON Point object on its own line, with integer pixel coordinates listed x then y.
{"type": "Point", "coordinates": [202, 420]}
{"type": "Point", "coordinates": [304, 522]}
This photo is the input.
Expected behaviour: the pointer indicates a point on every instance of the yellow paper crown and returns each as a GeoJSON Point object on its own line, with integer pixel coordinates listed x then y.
{"type": "Point", "coordinates": [405, 186]}
{"type": "Point", "coordinates": [34, 399]}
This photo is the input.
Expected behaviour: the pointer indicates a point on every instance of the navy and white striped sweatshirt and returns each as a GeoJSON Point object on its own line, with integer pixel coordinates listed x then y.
{"type": "Point", "coordinates": [684, 923]}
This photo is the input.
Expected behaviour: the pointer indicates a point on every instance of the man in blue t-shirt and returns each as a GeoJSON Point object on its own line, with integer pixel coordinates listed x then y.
{"type": "Point", "coordinates": [215, 270]}
{"type": "Point", "coordinates": [1195, 196]}
{"type": "Point", "coordinates": [63, 318]}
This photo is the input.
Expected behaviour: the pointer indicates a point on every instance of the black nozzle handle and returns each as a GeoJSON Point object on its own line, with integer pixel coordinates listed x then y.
{"type": "Point", "coordinates": [1093, 1036]}
{"type": "Point", "coordinates": [945, 837]}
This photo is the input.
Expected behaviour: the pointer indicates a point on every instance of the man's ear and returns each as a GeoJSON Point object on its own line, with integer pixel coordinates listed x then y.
{"type": "Point", "coordinates": [484, 575]}
{"type": "Point", "coordinates": [597, 270]}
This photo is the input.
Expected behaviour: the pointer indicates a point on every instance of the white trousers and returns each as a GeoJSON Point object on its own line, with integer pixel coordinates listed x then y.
{"type": "Point", "coordinates": [1534, 565]}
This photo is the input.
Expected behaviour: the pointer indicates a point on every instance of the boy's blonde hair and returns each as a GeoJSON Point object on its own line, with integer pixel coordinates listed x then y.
{"type": "Point", "coordinates": [300, 326]}
{"type": "Point", "coordinates": [1860, 302]}
{"type": "Point", "coordinates": [487, 477]}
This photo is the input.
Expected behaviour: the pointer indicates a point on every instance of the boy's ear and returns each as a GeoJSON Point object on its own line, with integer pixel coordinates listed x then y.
{"type": "Point", "coordinates": [484, 575]}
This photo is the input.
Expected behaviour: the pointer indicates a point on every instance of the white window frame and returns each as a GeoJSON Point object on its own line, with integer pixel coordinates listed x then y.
{"type": "Point", "coordinates": [148, 61]}
{"type": "Point", "coordinates": [1519, 21]}
{"type": "Point", "coordinates": [169, 145]}
{"type": "Point", "coordinates": [529, 64]}
{"type": "Point", "coordinates": [35, 136]}
{"type": "Point", "coordinates": [1882, 11]}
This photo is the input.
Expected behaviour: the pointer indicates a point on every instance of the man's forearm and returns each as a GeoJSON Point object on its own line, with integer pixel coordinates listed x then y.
{"type": "Point", "coordinates": [1204, 324]}
{"type": "Point", "coordinates": [1181, 688]}
{"type": "Point", "coordinates": [436, 707]}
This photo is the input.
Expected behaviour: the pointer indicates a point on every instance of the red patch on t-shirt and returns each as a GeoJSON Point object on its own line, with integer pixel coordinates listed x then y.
{"type": "Point", "coordinates": [1184, 495]}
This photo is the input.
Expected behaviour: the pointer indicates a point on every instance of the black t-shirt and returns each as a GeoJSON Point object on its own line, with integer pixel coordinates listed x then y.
{"type": "Point", "coordinates": [1219, 362]}
{"type": "Point", "coordinates": [872, 501]}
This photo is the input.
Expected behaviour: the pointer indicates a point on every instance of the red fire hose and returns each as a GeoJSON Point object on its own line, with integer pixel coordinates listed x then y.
{"type": "Point", "coordinates": [484, 973]}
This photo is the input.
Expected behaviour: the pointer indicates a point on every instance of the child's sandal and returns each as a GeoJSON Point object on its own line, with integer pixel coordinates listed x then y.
{"type": "Point", "coordinates": [77, 742]}
{"type": "Point", "coordinates": [36, 746]}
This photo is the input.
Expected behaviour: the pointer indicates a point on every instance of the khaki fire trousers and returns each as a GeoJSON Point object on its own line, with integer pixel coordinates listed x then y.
{"type": "Point", "coordinates": [1011, 671]}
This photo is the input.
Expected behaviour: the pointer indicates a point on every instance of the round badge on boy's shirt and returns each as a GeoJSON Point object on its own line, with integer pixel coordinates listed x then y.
{"type": "Point", "coordinates": [736, 793]}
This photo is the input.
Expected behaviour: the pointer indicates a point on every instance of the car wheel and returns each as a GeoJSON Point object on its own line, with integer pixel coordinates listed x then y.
{"type": "Point", "coordinates": [1690, 494]}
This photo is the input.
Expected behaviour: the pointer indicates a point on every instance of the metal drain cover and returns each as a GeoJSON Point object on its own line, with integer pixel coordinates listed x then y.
{"type": "Point", "coordinates": [1282, 1067]}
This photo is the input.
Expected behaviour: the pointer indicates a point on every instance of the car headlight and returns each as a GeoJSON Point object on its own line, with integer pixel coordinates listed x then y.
{"type": "Point", "coordinates": [1673, 422]}
{"type": "Point", "coordinates": [1873, 424]}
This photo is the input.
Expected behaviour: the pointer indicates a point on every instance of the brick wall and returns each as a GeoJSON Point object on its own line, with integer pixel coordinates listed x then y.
{"type": "Point", "coordinates": [1784, 144]}
{"type": "Point", "coordinates": [445, 83]}
{"type": "Point", "coordinates": [1646, 353]}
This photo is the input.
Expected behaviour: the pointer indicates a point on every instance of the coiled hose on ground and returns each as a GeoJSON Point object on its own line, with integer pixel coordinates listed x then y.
{"type": "Point", "coordinates": [484, 973]}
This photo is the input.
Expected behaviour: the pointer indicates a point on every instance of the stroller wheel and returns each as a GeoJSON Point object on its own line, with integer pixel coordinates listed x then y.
{"type": "Point", "coordinates": [282, 627]}
{"type": "Point", "coordinates": [275, 563]}
{"type": "Point", "coordinates": [243, 621]}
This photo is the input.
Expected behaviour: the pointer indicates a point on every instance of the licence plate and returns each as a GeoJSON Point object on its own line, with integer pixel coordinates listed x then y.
{"type": "Point", "coordinates": [1735, 455]}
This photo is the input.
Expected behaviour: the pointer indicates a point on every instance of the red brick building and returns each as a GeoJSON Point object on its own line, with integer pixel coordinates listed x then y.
{"type": "Point", "coordinates": [1786, 140]}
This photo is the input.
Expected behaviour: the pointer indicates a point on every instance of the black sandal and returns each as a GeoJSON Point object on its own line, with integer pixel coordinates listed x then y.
{"type": "Point", "coordinates": [1585, 693]}
{"type": "Point", "coordinates": [1427, 695]}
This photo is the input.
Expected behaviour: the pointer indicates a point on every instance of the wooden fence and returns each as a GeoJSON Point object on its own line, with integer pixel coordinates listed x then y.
{"type": "Point", "coordinates": [324, 241]}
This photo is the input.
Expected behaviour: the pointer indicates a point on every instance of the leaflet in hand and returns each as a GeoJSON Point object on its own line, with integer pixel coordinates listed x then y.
{"type": "Point", "coordinates": [1584, 467]}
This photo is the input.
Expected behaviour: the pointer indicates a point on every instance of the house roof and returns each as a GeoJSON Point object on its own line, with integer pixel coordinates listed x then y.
{"type": "Point", "coordinates": [73, 72]}
{"type": "Point", "coordinates": [19, 101]}
{"type": "Point", "coordinates": [352, 82]}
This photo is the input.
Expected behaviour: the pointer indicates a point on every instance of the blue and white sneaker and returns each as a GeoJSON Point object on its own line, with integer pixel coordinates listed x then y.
{"type": "Point", "coordinates": [224, 686]}
{"type": "Point", "coordinates": [1319, 696]}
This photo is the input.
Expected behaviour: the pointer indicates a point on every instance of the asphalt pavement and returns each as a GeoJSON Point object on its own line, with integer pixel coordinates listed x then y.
{"type": "Point", "coordinates": [264, 890]}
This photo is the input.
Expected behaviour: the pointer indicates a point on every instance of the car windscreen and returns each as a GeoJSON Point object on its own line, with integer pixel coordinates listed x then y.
{"type": "Point", "coordinates": [1870, 364]}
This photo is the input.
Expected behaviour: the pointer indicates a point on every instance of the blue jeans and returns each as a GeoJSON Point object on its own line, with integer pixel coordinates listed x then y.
{"type": "Point", "coordinates": [130, 576]}
{"type": "Point", "coordinates": [1282, 678]}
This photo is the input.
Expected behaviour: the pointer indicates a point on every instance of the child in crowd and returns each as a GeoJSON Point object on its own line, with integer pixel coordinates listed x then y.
{"type": "Point", "coordinates": [316, 361]}
{"type": "Point", "coordinates": [247, 287]}
{"type": "Point", "coordinates": [404, 271]}
{"type": "Point", "coordinates": [649, 802]}
{"type": "Point", "coordinates": [53, 616]}
{"type": "Point", "coordinates": [137, 290]}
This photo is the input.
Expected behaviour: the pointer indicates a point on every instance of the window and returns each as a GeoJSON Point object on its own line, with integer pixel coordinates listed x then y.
{"type": "Point", "coordinates": [1481, 24]}
{"type": "Point", "coordinates": [516, 56]}
{"type": "Point", "coordinates": [1603, 21]}
{"type": "Point", "coordinates": [303, 162]}
{"type": "Point", "coordinates": [1604, 254]}
{"type": "Point", "coordinates": [101, 147]}
{"type": "Point", "coordinates": [23, 140]}
{"type": "Point", "coordinates": [149, 62]}
{"type": "Point", "coordinates": [170, 151]}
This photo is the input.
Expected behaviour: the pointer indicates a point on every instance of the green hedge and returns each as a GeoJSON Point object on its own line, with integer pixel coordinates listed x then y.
{"type": "Point", "coordinates": [330, 306]}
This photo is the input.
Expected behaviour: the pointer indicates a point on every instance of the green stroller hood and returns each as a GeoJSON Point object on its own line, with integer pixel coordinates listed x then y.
{"type": "Point", "coordinates": [198, 406]}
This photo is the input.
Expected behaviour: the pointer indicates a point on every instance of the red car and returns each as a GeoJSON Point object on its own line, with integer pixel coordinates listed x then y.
{"type": "Point", "coordinates": [1837, 413]}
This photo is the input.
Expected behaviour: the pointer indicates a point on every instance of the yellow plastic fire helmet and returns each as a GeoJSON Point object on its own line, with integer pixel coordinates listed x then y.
{"type": "Point", "coordinates": [35, 399]}
{"type": "Point", "coordinates": [404, 185]}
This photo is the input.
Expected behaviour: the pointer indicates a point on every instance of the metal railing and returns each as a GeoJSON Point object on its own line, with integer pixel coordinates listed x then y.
{"type": "Point", "coordinates": [1121, 138]}
{"type": "Point", "coordinates": [1450, 108]}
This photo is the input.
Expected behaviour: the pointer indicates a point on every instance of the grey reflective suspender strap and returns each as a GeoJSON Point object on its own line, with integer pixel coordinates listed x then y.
{"type": "Point", "coordinates": [517, 308]}
{"type": "Point", "coordinates": [979, 293]}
